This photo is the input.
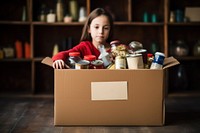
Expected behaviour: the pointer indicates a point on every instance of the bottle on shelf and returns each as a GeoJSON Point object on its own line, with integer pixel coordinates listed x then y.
{"type": "Point", "coordinates": [42, 16]}
{"type": "Point", "coordinates": [82, 14]}
{"type": "Point", "coordinates": [24, 14]}
{"type": "Point", "coordinates": [51, 17]}
{"type": "Point", "coordinates": [73, 8]}
{"type": "Point", "coordinates": [59, 11]}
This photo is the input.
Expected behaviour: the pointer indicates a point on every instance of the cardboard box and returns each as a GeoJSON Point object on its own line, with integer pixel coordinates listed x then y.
{"type": "Point", "coordinates": [109, 97]}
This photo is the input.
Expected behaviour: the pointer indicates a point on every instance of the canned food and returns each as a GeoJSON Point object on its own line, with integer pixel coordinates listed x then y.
{"type": "Point", "coordinates": [158, 61]}
{"type": "Point", "coordinates": [83, 64]}
{"type": "Point", "coordinates": [135, 61]}
{"type": "Point", "coordinates": [144, 54]}
{"type": "Point", "coordinates": [120, 62]}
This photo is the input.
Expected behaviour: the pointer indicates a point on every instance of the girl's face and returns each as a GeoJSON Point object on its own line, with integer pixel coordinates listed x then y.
{"type": "Point", "coordinates": [99, 30]}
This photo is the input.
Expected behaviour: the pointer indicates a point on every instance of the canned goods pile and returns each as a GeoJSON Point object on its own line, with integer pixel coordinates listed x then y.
{"type": "Point", "coordinates": [134, 56]}
{"type": "Point", "coordinates": [121, 56]}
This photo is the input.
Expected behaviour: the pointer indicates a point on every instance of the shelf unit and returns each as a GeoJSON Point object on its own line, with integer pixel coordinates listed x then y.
{"type": "Point", "coordinates": [30, 76]}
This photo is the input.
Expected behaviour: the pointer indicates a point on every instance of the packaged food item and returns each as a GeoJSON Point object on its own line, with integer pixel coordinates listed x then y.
{"type": "Point", "coordinates": [135, 61]}
{"type": "Point", "coordinates": [149, 60]}
{"type": "Point", "coordinates": [83, 64]}
{"type": "Point", "coordinates": [120, 62]}
{"type": "Point", "coordinates": [104, 56]}
{"type": "Point", "coordinates": [158, 61]}
{"type": "Point", "coordinates": [114, 45]}
{"type": "Point", "coordinates": [74, 57]}
{"type": "Point", "coordinates": [90, 58]}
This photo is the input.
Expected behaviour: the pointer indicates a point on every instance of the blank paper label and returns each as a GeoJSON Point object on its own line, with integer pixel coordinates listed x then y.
{"type": "Point", "coordinates": [109, 90]}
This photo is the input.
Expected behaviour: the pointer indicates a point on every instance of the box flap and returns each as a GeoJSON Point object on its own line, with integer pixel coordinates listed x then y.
{"type": "Point", "coordinates": [47, 61]}
{"type": "Point", "coordinates": [169, 62]}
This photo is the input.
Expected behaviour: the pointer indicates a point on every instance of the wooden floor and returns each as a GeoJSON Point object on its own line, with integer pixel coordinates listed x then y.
{"type": "Point", "coordinates": [35, 114]}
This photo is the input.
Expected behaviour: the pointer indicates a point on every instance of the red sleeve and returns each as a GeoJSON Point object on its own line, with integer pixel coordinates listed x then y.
{"type": "Point", "coordinates": [85, 48]}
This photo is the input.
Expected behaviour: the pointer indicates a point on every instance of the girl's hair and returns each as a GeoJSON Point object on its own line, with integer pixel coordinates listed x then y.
{"type": "Point", "coordinates": [95, 13]}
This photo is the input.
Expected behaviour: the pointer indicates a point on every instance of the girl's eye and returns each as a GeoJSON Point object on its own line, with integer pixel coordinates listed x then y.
{"type": "Point", "coordinates": [106, 28]}
{"type": "Point", "coordinates": [96, 27]}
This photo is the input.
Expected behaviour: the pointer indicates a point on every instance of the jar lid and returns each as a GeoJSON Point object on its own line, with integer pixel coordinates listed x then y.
{"type": "Point", "coordinates": [115, 42]}
{"type": "Point", "coordinates": [150, 55]}
{"type": "Point", "coordinates": [74, 54]}
{"type": "Point", "coordinates": [90, 57]}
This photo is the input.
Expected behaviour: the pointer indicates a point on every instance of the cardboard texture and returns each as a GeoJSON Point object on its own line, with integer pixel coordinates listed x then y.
{"type": "Point", "coordinates": [142, 101]}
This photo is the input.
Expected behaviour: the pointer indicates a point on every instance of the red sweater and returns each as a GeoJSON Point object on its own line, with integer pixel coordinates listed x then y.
{"type": "Point", "coordinates": [85, 48]}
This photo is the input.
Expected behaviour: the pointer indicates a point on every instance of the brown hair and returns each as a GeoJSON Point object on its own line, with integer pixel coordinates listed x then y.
{"type": "Point", "coordinates": [95, 13]}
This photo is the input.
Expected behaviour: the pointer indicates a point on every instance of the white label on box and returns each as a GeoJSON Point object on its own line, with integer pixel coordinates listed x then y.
{"type": "Point", "coordinates": [109, 90]}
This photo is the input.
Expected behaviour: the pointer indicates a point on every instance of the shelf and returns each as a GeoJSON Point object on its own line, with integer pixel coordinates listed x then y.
{"type": "Point", "coordinates": [15, 22]}
{"type": "Point", "coordinates": [15, 60]}
{"type": "Point", "coordinates": [138, 23]}
{"type": "Point", "coordinates": [185, 24]}
{"type": "Point", "coordinates": [57, 23]}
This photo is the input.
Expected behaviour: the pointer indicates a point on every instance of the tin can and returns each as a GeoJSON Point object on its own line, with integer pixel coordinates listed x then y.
{"type": "Point", "coordinates": [120, 62]}
{"type": "Point", "coordinates": [144, 54]}
{"type": "Point", "coordinates": [158, 61]}
{"type": "Point", "coordinates": [83, 64]}
{"type": "Point", "coordinates": [135, 61]}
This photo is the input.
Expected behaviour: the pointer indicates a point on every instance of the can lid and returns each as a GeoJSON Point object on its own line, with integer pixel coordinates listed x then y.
{"type": "Point", "coordinates": [90, 57]}
{"type": "Point", "coordinates": [134, 55]}
{"type": "Point", "coordinates": [74, 54]}
{"type": "Point", "coordinates": [160, 53]}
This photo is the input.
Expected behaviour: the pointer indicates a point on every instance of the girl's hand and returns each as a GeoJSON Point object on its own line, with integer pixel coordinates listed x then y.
{"type": "Point", "coordinates": [59, 64]}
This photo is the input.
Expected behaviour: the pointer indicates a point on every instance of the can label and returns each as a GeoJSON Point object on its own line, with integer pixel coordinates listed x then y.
{"type": "Point", "coordinates": [120, 63]}
{"type": "Point", "coordinates": [158, 61]}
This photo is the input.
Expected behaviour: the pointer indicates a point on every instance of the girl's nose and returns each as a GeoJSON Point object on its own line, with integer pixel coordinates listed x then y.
{"type": "Point", "coordinates": [101, 30]}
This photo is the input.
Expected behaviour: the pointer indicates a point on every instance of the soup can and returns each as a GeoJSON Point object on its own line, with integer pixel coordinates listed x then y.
{"type": "Point", "coordinates": [135, 61]}
{"type": "Point", "coordinates": [158, 61]}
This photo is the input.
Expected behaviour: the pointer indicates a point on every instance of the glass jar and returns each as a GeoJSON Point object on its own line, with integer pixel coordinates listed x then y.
{"type": "Point", "coordinates": [74, 57]}
{"type": "Point", "coordinates": [114, 45]}
{"type": "Point", "coordinates": [149, 60]}
{"type": "Point", "coordinates": [181, 49]}
{"type": "Point", "coordinates": [90, 58]}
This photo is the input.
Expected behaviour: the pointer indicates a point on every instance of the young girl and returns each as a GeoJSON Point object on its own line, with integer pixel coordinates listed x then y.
{"type": "Point", "coordinates": [98, 30]}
